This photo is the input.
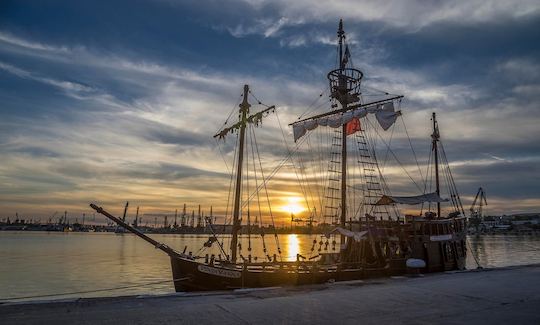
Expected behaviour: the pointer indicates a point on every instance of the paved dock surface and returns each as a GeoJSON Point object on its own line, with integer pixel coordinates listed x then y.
{"type": "Point", "coordinates": [498, 296]}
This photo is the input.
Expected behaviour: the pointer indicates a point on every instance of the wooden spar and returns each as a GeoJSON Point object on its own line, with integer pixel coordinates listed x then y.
{"type": "Point", "coordinates": [349, 108]}
{"type": "Point", "coordinates": [244, 110]}
{"type": "Point", "coordinates": [137, 232]}
{"type": "Point", "coordinates": [251, 119]}
{"type": "Point", "coordinates": [435, 139]}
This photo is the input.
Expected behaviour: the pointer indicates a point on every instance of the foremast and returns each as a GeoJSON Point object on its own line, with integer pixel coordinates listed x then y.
{"type": "Point", "coordinates": [240, 126]}
{"type": "Point", "coordinates": [244, 111]}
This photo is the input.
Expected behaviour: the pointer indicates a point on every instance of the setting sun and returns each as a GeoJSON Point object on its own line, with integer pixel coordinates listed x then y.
{"type": "Point", "coordinates": [293, 205]}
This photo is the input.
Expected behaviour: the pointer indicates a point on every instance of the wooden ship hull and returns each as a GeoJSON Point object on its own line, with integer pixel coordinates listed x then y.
{"type": "Point", "coordinates": [381, 253]}
{"type": "Point", "coordinates": [441, 251]}
{"type": "Point", "coordinates": [190, 275]}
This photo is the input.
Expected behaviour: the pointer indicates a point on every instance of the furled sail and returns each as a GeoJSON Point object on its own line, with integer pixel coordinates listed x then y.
{"type": "Point", "coordinates": [357, 236]}
{"type": "Point", "coordinates": [255, 119]}
{"type": "Point", "coordinates": [384, 113]}
{"type": "Point", "coordinates": [418, 199]}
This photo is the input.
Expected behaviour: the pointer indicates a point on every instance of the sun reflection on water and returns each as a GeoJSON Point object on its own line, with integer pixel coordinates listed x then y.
{"type": "Point", "coordinates": [293, 246]}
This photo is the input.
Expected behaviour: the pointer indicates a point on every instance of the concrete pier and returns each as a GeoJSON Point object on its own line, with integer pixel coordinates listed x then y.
{"type": "Point", "coordinates": [496, 296]}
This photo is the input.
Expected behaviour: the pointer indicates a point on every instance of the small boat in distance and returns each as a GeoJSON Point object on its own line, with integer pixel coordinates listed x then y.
{"type": "Point", "coordinates": [371, 238]}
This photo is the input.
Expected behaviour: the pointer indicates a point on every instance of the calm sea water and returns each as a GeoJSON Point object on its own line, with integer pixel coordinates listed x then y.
{"type": "Point", "coordinates": [40, 263]}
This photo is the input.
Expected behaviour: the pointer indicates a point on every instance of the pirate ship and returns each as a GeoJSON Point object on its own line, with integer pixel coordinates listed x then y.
{"type": "Point", "coordinates": [370, 237]}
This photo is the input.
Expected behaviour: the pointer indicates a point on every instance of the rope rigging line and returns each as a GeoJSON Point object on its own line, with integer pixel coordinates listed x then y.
{"type": "Point", "coordinates": [452, 179]}
{"type": "Point", "coordinates": [310, 106]}
{"type": "Point", "coordinates": [362, 176]}
{"type": "Point", "coordinates": [395, 157]}
{"type": "Point", "coordinates": [223, 156]}
{"type": "Point", "coordinates": [307, 183]}
{"type": "Point", "coordinates": [225, 123]}
{"type": "Point", "coordinates": [371, 142]}
{"type": "Point", "coordinates": [410, 144]}
{"type": "Point", "coordinates": [306, 190]}
{"type": "Point", "coordinates": [478, 266]}
{"type": "Point", "coordinates": [230, 113]}
{"type": "Point", "coordinates": [279, 166]}
{"type": "Point", "coordinates": [282, 162]}
{"type": "Point", "coordinates": [230, 193]}
{"type": "Point", "coordinates": [228, 219]}
{"type": "Point", "coordinates": [382, 92]}
{"type": "Point", "coordinates": [388, 149]}
{"type": "Point", "coordinates": [247, 190]}
{"type": "Point", "coordinates": [268, 198]}
{"type": "Point", "coordinates": [258, 217]}
{"type": "Point", "coordinates": [315, 165]}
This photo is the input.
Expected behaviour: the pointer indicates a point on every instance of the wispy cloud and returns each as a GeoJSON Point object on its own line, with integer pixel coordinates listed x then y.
{"type": "Point", "coordinates": [401, 13]}
{"type": "Point", "coordinates": [71, 88]}
{"type": "Point", "coordinates": [12, 40]}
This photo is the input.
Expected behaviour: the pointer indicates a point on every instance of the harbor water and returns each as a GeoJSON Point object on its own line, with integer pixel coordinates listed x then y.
{"type": "Point", "coordinates": [41, 265]}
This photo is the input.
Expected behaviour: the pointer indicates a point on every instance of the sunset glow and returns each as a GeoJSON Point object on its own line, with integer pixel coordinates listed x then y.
{"type": "Point", "coordinates": [294, 205]}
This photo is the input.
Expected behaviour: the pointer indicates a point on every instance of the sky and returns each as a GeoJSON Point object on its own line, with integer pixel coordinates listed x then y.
{"type": "Point", "coordinates": [110, 101]}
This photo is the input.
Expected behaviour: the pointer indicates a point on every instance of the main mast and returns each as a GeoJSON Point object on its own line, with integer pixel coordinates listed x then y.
{"type": "Point", "coordinates": [244, 110]}
{"type": "Point", "coordinates": [343, 216]}
{"type": "Point", "coordinates": [344, 88]}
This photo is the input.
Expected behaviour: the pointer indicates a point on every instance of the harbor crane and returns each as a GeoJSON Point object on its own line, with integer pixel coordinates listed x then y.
{"type": "Point", "coordinates": [477, 206]}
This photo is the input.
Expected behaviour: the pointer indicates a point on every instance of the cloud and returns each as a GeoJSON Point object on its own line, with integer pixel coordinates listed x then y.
{"type": "Point", "coordinates": [71, 88]}
{"type": "Point", "coordinates": [400, 13]}
{"type": "Point", "coordinates": [266, 27]}
{"type": "Point", "coordinates": [30, 45]}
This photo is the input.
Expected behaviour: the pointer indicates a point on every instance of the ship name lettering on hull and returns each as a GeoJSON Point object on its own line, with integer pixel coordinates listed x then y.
{"type": "Point", "coordinates": [219, 272]}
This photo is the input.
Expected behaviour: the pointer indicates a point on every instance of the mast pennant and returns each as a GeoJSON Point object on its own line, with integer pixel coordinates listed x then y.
{"type": "Point", "coordinates": [384, 113]}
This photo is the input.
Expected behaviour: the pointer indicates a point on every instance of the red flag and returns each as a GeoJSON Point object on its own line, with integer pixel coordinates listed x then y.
{"type": "Point", "coordinates": [353, 126]}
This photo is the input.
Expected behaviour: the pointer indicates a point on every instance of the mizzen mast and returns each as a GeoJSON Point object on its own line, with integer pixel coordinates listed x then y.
{"type": "Point", "coordinates": [435, 139]}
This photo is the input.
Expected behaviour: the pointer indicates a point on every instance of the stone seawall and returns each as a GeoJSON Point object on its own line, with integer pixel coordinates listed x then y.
{"type": "Point", "coordinates": [492, 296]}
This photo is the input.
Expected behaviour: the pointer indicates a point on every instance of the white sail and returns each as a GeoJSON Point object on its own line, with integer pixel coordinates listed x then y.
{"type": "Point", "coordinates": [384, 113]}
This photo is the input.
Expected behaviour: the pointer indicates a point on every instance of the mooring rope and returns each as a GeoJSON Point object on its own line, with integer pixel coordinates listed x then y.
{"type": "Point", "coordinates": [478, 266]}
{"type": "Point", "coordinates": [3, 300]}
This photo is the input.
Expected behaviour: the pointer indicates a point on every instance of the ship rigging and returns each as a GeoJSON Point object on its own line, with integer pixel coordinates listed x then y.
{"type": "Point", "coordinates": [375, 239]}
